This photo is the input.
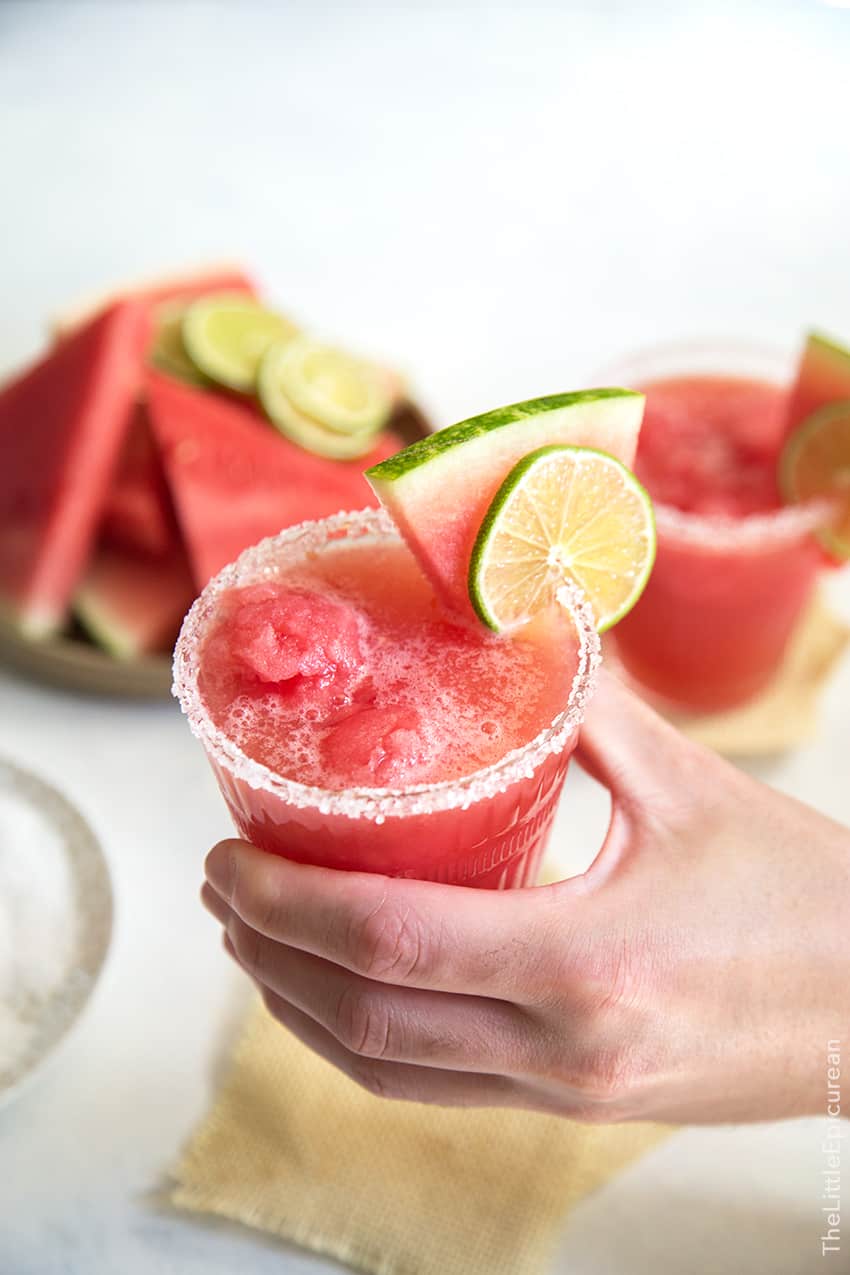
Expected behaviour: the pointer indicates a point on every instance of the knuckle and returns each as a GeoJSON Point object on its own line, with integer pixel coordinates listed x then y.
{"type": "Point", "coordinates": [606, 1076]}
{"type": "Point", "coordinates": [363, 1022]}
{"type": "Point", "coordinates": [391, 944]}
{"type": "Point", "coordinates": [609, 980]}
{"type": "Point", "coordinates": [603, 1082]}
{"type": "Point", "coordinates": [620, 979]}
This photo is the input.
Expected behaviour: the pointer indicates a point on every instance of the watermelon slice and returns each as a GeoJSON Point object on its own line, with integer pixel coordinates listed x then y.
{"type": "Point", "coordinates": [823, 377]}
{"type": "Point", "coordinates": [138, 514]}
{"type": "Point", "coordinates": [439, 490]}
{"type": "Point", "coordinates": [235, 480]}
{"type": "Point", "coordinates": [183, 286]}
{"type": "Point", "coordinates": [133, 606]}
{"type": "Point", "coordinates": [62, 424]}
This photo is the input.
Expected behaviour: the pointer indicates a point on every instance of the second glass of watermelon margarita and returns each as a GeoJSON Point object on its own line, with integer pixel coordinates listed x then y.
{"type": "Point", "coordinates": [351, 724]}
{"type": "Point", "coordinates": [735, 567]}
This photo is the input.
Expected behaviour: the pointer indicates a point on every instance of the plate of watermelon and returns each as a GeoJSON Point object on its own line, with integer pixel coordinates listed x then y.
{"type": "Point", "coordinates": [132, 470]}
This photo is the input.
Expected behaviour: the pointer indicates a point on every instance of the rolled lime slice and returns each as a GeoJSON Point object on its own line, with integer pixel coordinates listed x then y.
{"type": "Point", "coordinates": [815, 462]}
{"type": "Point", "coordinates": [297, 425]}
{"type": "Point", "coordinates": [563, 514]}
{"type": "Point", "coordinates": [226, 336]}
{"type": "Point", "coordinates": [341, 392]}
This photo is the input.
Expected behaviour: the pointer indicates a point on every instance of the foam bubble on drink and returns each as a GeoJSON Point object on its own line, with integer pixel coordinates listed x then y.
{"type": "Point", "coordinates": [429, 700]}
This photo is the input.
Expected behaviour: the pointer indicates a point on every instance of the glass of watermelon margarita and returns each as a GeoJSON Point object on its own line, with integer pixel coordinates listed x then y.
{"type": "Point", "coordinates": [735, 567]}
{"type": "Point", "coordinates": [351, 724]}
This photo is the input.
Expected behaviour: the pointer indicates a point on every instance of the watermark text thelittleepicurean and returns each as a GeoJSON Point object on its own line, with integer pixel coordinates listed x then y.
{"type": "Point", "coordinates": [831, 1148]}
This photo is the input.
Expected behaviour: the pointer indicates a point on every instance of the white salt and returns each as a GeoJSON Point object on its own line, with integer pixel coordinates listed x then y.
{"type": "Point", "coordinates": [37, 928]}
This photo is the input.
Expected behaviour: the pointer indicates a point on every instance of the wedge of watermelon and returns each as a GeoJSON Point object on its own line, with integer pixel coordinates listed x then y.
{"type": "Point", "coordinates": [62, 424]}
{"type": "Point", "coordinates": [438, 490]}
{"type": "Point", "coordinates": [235, 480]}
{"type": "Point", "coordinates": [133, 606]}
{"type": "Point", "coordinates": [823, 376]}
{"type": "Point", "coordinates": [137, 514]}
{"type": "Point", "coordinates": [179, 286]}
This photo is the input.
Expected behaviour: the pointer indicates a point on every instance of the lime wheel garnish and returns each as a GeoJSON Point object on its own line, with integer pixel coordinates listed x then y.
{"type": "Point", "coordinates": [563, 514]}
{"type": "Point", "coordinates": [815, 463]}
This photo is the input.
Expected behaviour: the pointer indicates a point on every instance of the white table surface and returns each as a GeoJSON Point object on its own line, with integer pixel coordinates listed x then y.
{"type": "Point", "coordinates": [499, 201]}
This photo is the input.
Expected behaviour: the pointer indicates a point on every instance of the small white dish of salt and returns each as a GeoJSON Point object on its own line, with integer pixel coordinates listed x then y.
{"type": "Point", "coordinates": [55, 921]}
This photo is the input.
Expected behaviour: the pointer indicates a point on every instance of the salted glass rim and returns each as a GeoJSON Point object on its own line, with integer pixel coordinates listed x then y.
{"type": "Point", "coordinates": [720, 356]}
{"type": "Point", "coordinates": [363, 802]}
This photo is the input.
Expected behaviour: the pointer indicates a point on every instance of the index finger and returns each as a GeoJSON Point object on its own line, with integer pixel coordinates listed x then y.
{"type": "Point", "coordinates": [410, 933]}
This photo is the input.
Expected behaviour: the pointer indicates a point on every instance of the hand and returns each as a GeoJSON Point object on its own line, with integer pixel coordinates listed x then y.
{"type": "Point", "coordinates": [694, 973]}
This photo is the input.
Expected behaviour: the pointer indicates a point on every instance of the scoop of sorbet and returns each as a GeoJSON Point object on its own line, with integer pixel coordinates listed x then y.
{"type": "Point", "coordinates": [280, 637]}
{"type": "Point", "coordinates": [376, 746]}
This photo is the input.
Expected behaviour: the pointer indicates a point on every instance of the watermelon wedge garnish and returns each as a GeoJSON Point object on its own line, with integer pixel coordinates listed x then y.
{"type": "Point", "coordinates": [438, 490]}
{"type": "Point", "coordinates": [234, 480]}
{"type": "Point", "coordinates": [823, 377]}
{"type": "Point", "coordinates": [62, 424]}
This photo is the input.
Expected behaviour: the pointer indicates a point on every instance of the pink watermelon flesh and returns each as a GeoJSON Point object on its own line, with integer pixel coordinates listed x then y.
{"type": "Point", "coordinates": [62, 425]}
{"type": "Point", "coordinates": [137, 514]}
{"type": "Point", "coordinates": [235, 480]}
{"type": "Point", "coordinates": [438, 490]}
{"type": "Point", "coordinates": [823, 377]}
{"type": "Point", "coordinates": [133, 606]}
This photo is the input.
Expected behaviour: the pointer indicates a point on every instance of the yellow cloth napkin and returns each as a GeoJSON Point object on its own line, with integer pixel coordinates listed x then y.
{"type": "Point", "coordinates": [294, 1148]}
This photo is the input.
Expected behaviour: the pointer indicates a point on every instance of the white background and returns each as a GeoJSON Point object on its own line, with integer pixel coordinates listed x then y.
{"type": "Point", "coordinates": [500, 199]}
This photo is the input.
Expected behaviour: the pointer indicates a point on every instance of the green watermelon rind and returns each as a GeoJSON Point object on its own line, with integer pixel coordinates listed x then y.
{"type": "Point", "coordinates": [131, 606]}
{"type": "Point", "coordinates": [105, 632]}
{"type": "Point", "coordinates": [436, 446]}
{"type": "Point", "coordinates": [438, 490]}
{"type": "Point", "coordinates": [818, 342]}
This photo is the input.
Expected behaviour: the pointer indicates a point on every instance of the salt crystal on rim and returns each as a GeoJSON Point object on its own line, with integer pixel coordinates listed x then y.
{"type": "Point", "coordinates": [378, 804]}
